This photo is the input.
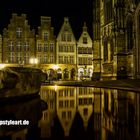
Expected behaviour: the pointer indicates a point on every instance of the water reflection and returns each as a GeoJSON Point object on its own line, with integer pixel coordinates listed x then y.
{"type": "Point", "coordinates": [90, 113]}
{"type": "Point", "coordinates": [74, 113]}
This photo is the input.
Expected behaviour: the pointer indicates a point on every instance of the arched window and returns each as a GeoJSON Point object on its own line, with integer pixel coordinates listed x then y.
{"type": "Point", "coordinates": [105, 50]}
{"type": "Point", "coordinates": [129, 33]}
{"type": "Point", "coordinates": [111, 49]}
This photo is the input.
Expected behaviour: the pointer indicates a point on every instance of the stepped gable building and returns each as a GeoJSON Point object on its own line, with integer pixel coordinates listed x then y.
{"type": "Point", "coordinates": [84, 54]}
{"type": "Point", "coordinates": [46, 46]}
{"type": "Point", "coordinates": [116, 38]}
{"type": "Point", "coordinates": [18, 41]}
{"type": "Point", "coordinates": [66, 52]}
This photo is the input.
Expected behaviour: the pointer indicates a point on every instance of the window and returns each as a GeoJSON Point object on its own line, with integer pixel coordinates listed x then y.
{"type": "Point", "coordinates": [85, 40]}
{"type": "Point", "coordinates": [111, 49]}
{"type": "Point", "coordinates": [45, 58]}
{"type": "Point", "coordinates": [60, 104]}
{"type": "Point", "coordinates": [69, 114]}
{"type": "Point", "coordinates": [19, 46]}
{"type": "Point", "coordinates": [45, 47]}
{"type": "Point", "coordinates": [51, 47]}
{"type": "Point", "coordinates": [71, 59]}
{"type": "Point", "coordinates": [18, 57]}
{"type": "Point", "coordinates": [18, 32]}
{"type": "Point", "coordinates": [85, 112]}
{"type": "Point", "coordinates": [60, 93]}
{"type": "Point", "coordinates": [26, 57]}
{"type": "Point", "coordinates": [63, 115]}
{"type": "Point", "coordinates": [51, 104]}
{"type": "Point", "coordinates": [45, 36]}
{"type": "Point", "coordinates": [11, 46]}
{"type": "Point", "coordinates": [39, 57]}
{"type": "Point", "coordinates": [71, 92]}
{"type": "Point", "coordinates": [69, 37]}
{"type": "Point", "coordinates": [66, 59]}
{"type": "Point", "coordinates": [66, 103]}
{"type": "Point", "coordinates": [11, 57]}
{"type": "Point", "coordinates": [60, 48]}
{"type": "Point", "coordinates": [129, 26]}
{"type": "Point", "coordinates": [60, 59]}
{"type": "Point", "coordinates": [71, 48]}
{"type": "Point", "coordinates": [39, 47]}
{"type": "Point", "coordinates": [80, 101]}
{"type": "Point", "coordinates": [63, 37]}
{"type": "Point", "coordinates": [71, 103]}
{"type": "Point", "coordinates": [51, 58]}
{"type": "Point", "coordinates": [26, 46]}
{"type": "Point", "coordinates": [105, 50]}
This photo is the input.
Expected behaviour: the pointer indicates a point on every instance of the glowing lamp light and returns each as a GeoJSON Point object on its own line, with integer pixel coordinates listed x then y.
{"type": "Point", "coordinates": [55, 67]}
{"type": "Point", "coordinates": [55, 87]}
{"type": "Point", "coordinates": [34, 61]}
{"type": "Point", "coordinates": [2, 66]}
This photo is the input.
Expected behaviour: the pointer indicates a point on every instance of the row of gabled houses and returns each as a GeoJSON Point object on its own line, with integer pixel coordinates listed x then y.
{"type": "Point", "coordinates": [61, 56]}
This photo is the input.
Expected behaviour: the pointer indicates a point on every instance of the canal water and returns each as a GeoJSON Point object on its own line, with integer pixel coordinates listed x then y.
{"type": "Point", "coordinates": [64, 112]}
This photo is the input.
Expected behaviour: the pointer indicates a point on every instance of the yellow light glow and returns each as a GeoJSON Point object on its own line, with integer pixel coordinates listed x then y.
{"type": "Point", "coordinates": [36, 61]}
{"type": "Point", "coordinates": [55, 67]}
{"type": "Point", "coordinates": [2, 66]}
{"type": "Point", "coordinates": [55, 87]}
{"type": "Point", "coordinates": [33, 61]}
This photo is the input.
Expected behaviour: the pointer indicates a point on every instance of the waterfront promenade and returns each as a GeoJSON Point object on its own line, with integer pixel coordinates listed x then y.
{"type": "Point", "coordinates": [129, 84]}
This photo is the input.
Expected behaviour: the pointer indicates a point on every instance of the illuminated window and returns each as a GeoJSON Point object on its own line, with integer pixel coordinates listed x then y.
{"type": "Point", "coordinates": [65, 59]}
{"type": "Point", "coordinates": [45, 47]}
{"type": "Point", "coordinates": [71, 59]}
{"type": "Point", "coordinates": [45, 58]}
{"type": "Point", "coordinates": [18, 57]}
{"type": "Point", "coordinates": [51, 58]}
{"type": "Point", "coordinates": [26, 57]}
{"type": "Point", "coordinates": [18, 32]}
{"type": "Point", "coordinates": [11, 57]}
{"type": "Point", "coordinates": [26, 46]}
{"type": "Point", "coordinates": [51, 47]}
{"type": "Point", "coordinates": [11, 46]}
{"type": "Point", "coordinates": [60, 59]}
{"type": "Point", "coordinates": [19, 46]}
{"type": "Point", "coordinates": [39, 47]}
{"type": "Point", "coordinates": [46, 36]}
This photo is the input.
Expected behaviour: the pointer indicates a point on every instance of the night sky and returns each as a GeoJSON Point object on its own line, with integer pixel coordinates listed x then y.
{"type": "Point", "coordinates": [78, 11]}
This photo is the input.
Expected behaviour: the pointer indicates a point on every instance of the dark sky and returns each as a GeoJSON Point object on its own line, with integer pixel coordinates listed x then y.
{"type": "Point", "coordinates": [78, 11]}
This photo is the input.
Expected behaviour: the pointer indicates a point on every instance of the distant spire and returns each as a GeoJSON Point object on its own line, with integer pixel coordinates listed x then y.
{"type": "Point", "coordinates": [66, 19]}
{"type": "Point", "coordinates": [85, 27]}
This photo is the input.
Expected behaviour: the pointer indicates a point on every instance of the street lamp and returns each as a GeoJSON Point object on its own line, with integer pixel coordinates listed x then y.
{"type": "Point", "coordinates": [33, 61]}
{"type": "Point", "coordinates": [2, 66]}
{"type": "Point", "coordinates": [55, 67]}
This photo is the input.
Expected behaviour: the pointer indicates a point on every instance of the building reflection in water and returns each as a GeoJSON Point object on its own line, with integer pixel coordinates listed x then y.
{"type": "Point", "coordinates": [74, 113]}
{"type": "Point", "coordinates": [90, 113]}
